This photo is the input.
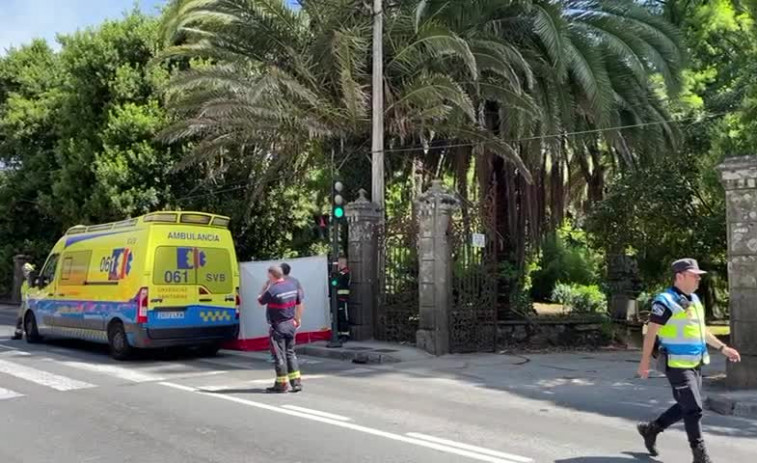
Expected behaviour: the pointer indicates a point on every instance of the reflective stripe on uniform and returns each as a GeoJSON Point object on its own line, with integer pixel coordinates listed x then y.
{"type": "Point", "coordinates": [294, 375]}
{"type": "Point", "coordinates": [695, 360]}
{"type": "Point", "coordinates": [281, 379]}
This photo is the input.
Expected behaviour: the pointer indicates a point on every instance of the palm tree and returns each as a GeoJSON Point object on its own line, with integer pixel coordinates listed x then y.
{"type": "Point", "coordinates": [501, 86]}
{"type": "Point", "coordinates": [283, 79]}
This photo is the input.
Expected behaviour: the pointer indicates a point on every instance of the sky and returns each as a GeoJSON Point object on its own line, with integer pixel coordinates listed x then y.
{"type": "Point", "coordinates": [23, 20]}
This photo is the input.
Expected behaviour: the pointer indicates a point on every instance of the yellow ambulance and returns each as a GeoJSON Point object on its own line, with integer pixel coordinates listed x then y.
{"type": "Point", "coordinates": [163, 279]}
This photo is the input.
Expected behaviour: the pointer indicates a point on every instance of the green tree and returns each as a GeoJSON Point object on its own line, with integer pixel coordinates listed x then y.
{"type": "Point", "coordinates": [29, 102]}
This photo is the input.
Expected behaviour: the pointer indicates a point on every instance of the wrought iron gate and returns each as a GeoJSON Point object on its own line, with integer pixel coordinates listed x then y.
{"type": "Point", "coordinates": [473, 318]}
{"type": "Point", "coordinates": [398, 280]}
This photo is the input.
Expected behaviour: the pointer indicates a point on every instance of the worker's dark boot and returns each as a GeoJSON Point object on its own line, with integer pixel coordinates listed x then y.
{"type": "Point", "coordinates": [19, 334]}
{"type": "Point", "coordinates": [700, 454]}
{"type": "Point", "coordinates": [296, 385]}
{"type": "Point", "coordinates": [277, 388]}
{"type": "Point", "coordinates": [649, 432]}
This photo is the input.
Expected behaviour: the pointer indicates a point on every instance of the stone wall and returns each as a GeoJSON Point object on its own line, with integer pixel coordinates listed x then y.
{"type": "Point", "coordinates": [586, 333]}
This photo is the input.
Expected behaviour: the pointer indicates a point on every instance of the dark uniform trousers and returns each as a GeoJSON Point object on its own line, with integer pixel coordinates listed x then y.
{"type": "Point", "coordinates": [282, 337]}
{"type": "Point", "coordinates": [687, 391]}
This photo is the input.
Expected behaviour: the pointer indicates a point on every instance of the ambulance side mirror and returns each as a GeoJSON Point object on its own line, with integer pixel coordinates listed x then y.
{"type": "Point", "coordinates": [39, 281]}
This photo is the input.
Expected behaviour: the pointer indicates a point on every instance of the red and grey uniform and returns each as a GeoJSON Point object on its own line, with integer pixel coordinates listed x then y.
{"type": "Point", "coordinates": [282, 298]}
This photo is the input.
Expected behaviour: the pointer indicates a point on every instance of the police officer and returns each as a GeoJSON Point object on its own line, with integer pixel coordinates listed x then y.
{"type": "Point", "coordinates": [343, 279]}
{"type": "Point", "coordinates": [678, 322]}
{"type": "Point", "coordinates": [27, 270]}
{"type": "Point", "coordinates": [284, 315]}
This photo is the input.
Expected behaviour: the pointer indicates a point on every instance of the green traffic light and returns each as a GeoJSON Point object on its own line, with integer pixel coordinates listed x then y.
{"type": "Point", "coordinates": [338, 212]}
{"type": "Point", "coordinates": [334, 282]}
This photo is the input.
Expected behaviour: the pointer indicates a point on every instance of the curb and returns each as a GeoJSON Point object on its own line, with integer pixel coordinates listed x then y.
{"type": "Point", "coordinates": [362, 357]}
{"type": "Point", "coordinates": [725, 405]}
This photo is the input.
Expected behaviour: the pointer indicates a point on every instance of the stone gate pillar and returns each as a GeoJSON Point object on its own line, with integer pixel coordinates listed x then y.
{"type": "Point", "coordinates": [363, 218]}
{"type": "Point", "coordinates": [18, 277]}
{"type": "Point", "coordinates": [435, 208]}
{"type": "Point", "coordinates": [625, 285]}
{"type": "Point", "coordinates": [739, 178]}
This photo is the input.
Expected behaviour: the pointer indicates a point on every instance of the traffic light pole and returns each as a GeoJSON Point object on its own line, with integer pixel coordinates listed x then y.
{"type": "Point", "coordinates": [334, 342]}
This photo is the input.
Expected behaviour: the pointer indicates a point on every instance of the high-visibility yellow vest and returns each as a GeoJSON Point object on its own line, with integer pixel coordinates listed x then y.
{"type": "Point", "coordinates": [683, 336]}
{"type": "Point", "coordinates": [24, 290]}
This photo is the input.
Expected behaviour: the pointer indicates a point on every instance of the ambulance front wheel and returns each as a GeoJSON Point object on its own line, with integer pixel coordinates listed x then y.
{"type": "Point", "coordinates": [117, 341]}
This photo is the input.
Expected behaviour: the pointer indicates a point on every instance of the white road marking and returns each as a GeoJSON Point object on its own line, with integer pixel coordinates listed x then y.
{"type": "Point", "coordinates": [472, 448]}
{"type": "Point", "coordinates": [136, 376]}
{"type": "Point", "coordinates": [43, 378]}
{"type": "Point", "coordinates": [14, 353]}
{"type": "Point", "coordinates": [127, 374]}
{"type": "Point", "coordinates": [222, 387]}
{"type": "Point", "coordinates": [316, 412]}
{"type": "Point", "coordinates": [179, 386]}
{"type": "Point", "coordinates": [355, 427]}
{"type": "Point", "coordinates": [304, 378]}
{"type": "Point", "coordinates": [8, 394]}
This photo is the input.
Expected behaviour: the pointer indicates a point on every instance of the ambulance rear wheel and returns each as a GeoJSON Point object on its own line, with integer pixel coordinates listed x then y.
{"type": "Point", "coordinates": [209, 350]}
{"type": "Point", "coordinates": [117, 341]}
{"type": "Point", "coordinates": [30, 327]}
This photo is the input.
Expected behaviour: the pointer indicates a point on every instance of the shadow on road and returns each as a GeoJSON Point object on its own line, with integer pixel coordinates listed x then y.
{"type": "Point", "coordinates": [604, 389]}
{"type": "Point", "coordinates": [632, 456]}
{"type": "Point", "coordinates": [237, 391]}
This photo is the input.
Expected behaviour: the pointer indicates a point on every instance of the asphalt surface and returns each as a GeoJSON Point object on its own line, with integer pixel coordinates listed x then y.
{"type": "Point", "coordinates": [64, 401]}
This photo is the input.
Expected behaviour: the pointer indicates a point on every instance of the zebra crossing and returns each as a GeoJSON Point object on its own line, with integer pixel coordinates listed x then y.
{"type": "Point", "coordinates": [22, 371]}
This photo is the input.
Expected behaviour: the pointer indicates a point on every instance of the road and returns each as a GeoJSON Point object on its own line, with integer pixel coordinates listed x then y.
{"type": "Point", "coordinates": [69, 402]}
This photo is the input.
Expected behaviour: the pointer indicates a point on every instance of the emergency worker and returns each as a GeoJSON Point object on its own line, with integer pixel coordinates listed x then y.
{"type": "Point", "coordinates": [282, 299]}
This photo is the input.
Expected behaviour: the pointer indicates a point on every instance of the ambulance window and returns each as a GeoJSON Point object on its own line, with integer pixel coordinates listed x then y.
{"type": "Point", "coordinates": [215, 274]}
{"type": "Point", "coordinates": [209, 267]}
{"type": "Point", "coordinates": [74, 268]}
{"type": "Point", "coordinates": [175, 265]}
{"type": "Point", "coordinates": [48, 272]}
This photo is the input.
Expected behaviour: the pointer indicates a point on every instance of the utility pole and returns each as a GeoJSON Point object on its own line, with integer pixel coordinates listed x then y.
{"type": "Point", "coordinates": [377, 147]}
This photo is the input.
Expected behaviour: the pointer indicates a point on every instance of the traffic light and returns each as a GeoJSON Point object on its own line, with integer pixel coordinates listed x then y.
{"type": "Point", "coordinates": [337, 201]}
{"type": "Point", "coordinates": [334, 280]}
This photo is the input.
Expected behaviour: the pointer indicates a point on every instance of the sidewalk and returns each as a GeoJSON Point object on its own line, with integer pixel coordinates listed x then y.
{"type": "Point", "coordinates": [585, 379]}
{"type": "Point", "coordinates": [370, 352]}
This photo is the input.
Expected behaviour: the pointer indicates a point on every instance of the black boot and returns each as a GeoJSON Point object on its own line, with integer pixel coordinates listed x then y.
{"type": "Point", "coordinates": [700, 454]}
{"type": "Point", "coordinates": [277, 388]}
{"type": "Point", "coordinates": [19, 334]}
{"type": "Point", "coordinates": [296, 385]}
{"type": "Point", "coordinates": [649, 432]}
